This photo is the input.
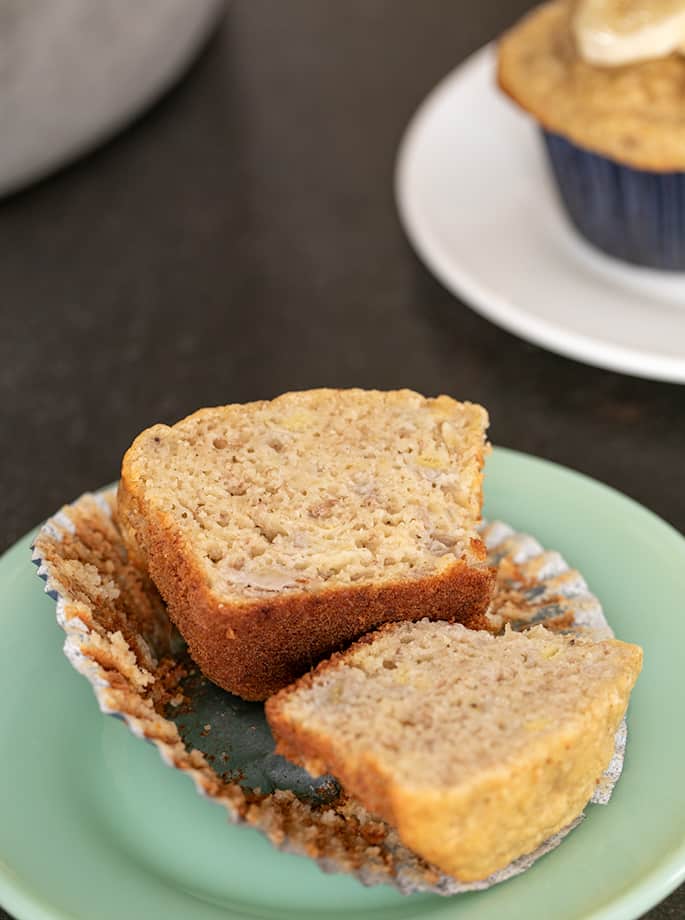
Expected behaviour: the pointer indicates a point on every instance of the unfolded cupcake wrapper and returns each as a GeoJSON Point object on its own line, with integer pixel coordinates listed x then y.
{"type": "Point", "coordinates": [119, 637]}
{"type": "Point", "coordinates": [632, 214]}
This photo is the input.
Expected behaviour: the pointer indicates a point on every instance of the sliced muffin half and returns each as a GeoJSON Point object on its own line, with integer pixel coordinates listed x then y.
{"type": "Point", "coordinates": [477, 748]}
{"type": "Point", "coordinates": [277, 532]}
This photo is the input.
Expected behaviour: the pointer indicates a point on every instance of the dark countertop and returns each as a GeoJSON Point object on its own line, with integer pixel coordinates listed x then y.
{"type": "Point", "coordinates": [241, 240]}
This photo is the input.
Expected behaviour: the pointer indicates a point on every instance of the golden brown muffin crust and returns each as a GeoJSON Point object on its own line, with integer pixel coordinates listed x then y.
{"type": "Point", "coordinates": [633, 114]}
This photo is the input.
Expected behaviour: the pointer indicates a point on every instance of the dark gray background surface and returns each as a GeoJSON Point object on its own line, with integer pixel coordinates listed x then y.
{"type": "Point", "coordinates": [242, 240]}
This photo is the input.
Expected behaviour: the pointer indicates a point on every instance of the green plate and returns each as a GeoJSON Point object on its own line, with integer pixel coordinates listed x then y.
{"type": "Point", "coordinates": [92, 824]}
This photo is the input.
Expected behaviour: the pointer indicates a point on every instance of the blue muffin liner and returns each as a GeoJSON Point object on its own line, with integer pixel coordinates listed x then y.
{"type": "Point", "coordinates": [632, 214]}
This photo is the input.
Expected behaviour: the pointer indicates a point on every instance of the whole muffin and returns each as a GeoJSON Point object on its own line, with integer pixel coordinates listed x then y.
{"type": "Point", "coordinates": [614, 130]}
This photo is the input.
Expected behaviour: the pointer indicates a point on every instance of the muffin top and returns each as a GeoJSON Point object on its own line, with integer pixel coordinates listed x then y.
{"type": "Point", "coordinates": [634, 114]}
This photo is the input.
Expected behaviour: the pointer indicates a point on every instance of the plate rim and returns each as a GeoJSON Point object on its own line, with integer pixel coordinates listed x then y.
{"type": "Point", "coordinates": [17, 897]}
{"type": "Point", "coordinates": [462, 283]}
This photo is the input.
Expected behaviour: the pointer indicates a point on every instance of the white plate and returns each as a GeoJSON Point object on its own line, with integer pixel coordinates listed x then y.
{"type": "Point", "coordinates": [478, 204]}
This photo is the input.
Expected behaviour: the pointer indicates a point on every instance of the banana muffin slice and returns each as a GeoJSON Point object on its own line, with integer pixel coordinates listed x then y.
{"type": "Point", "coordinates": [277, 532]}
{"type": "Point", "coordinates": [476, 748]}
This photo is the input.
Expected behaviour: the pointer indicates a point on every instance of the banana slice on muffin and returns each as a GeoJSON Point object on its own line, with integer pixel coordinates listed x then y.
{"type": "Point", "coordinates": [618, 32]}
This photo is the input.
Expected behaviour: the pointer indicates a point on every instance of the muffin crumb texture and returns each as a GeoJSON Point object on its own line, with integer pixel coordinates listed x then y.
{"type": "Point", "coordinates": [319, 487]}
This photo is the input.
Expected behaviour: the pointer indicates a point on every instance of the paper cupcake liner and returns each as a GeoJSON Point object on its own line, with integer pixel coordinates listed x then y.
{"type": "Point", "coordinates": [631, 214]}
{"type": "Point", "coordinates": [119, 637]}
